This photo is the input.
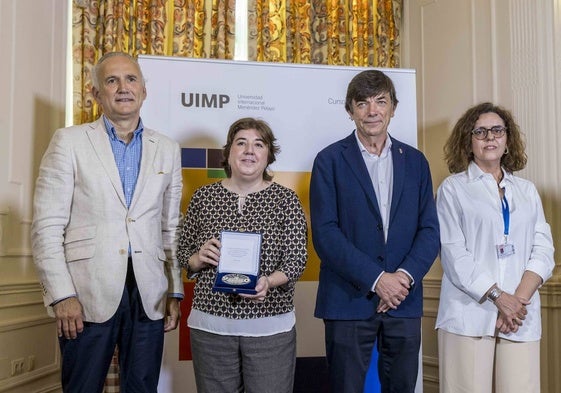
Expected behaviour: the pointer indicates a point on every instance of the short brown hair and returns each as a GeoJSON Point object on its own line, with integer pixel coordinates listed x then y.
{"type": "Point", "coordinates": [457, 149]}
{"type": "Point", "coordinates": [266, 133]}
{"type": "Point", "coordinates": [369, 83]}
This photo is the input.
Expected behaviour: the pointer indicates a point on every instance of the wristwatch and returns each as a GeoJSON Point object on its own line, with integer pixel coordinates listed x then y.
{"type": "Point", "coordinates": [494, 294]}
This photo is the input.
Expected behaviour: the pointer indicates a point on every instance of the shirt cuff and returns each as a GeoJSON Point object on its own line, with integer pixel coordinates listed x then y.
{"type": "Point", "coordinates": [60, 300]}
{"type": "Point", "coordinates": [376, 282]}
{"type": "Point", "coordinates": [408, 275]}
{"type": "Point", "coordinates": [176, 296]}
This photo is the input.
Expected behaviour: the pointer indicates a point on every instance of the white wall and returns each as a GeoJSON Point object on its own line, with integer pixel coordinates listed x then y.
{"type": "Point", "coordinates": [32, 88]}
{"type": "Point", "coordinates": [508, 52]}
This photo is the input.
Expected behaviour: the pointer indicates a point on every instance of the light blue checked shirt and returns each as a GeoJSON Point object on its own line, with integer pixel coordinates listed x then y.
{"type": "Point", "coordinates": [127, 157]}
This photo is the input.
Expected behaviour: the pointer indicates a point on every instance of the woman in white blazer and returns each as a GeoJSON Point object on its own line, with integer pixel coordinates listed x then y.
{"type": "Point", "coordinates": [496, 251]}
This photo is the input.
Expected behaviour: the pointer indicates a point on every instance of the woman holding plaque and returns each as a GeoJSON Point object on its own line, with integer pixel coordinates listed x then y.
{"type": "Point", "coordinates": [496, 251]}
{"type": "Point", "coordinates": [244, 341]}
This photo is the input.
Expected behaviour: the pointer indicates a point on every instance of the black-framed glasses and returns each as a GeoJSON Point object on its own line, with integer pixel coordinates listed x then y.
{"type": "Point", "coordinates": [482, 132]}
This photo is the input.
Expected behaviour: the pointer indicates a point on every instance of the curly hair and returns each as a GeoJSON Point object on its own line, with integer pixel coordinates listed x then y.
{"type": "Point", "coordinates": [457, 149]}
{"type": "Point", "coordinates": [264, 130]}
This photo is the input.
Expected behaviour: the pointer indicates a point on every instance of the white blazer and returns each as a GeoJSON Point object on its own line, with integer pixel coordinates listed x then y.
{"type": "Point", "coordinates": [82, 228]}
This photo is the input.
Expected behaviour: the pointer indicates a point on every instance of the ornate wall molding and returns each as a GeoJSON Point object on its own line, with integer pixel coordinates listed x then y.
{"type": "Point", "coordinates": [27, 333]}
{"type": "Point", "coordinates": [21, 306]}
{"type": "Point", "coordinates": [3, 229]}
{"type": "Point", "coordinates": [423, 3]}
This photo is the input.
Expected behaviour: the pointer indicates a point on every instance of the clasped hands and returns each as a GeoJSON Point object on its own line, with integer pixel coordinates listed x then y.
{"type": "Point", "coordinates": [512, 312]}
{"type": "Point", "coordinates": [392, 289]}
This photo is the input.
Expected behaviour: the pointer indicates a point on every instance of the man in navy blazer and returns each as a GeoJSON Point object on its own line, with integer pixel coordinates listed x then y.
{"type": "Point", "coordinates": [375, 229]}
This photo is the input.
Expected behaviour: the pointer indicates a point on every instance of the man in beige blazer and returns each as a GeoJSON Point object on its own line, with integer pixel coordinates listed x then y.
{"type": "Point", "coordinates": [104, 236]}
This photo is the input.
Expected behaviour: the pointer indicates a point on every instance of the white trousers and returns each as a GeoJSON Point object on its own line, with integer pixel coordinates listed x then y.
{"type": "Point", "coordinates": [475, 364]}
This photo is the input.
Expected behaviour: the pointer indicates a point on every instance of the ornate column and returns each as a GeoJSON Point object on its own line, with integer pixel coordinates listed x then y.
{"type": "Point", "coordinates": [3, 228]}
{"type": "Point", "coordinates": [536, 91]}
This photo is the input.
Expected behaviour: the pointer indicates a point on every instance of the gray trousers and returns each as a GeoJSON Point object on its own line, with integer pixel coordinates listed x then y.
{"type": "Point", "coordinates": [231, 364]}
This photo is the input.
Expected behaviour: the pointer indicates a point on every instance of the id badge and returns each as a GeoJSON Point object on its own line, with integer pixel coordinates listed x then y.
{"type": "Point", "coordinates": [505, 250]}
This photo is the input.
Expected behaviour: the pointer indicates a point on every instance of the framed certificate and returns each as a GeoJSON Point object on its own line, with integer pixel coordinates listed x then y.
{"type": "Point", "coordinates": [238, 267]}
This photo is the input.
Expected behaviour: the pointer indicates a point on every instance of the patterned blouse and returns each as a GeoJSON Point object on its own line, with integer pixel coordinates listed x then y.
{"type": "Point", "coordinates": [276, 213]}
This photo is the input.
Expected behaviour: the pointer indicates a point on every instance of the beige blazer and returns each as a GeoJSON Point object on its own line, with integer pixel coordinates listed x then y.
{"type": "Point", "coordinates": [82, 228]}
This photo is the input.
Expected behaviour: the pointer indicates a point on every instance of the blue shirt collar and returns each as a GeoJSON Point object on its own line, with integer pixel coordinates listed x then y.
{"type": "Point", "coordinates": [110, 128]}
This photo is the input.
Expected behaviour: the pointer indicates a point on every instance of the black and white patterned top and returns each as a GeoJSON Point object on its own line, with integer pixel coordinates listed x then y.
{"type": "Point", "coordinates": [276, 213]}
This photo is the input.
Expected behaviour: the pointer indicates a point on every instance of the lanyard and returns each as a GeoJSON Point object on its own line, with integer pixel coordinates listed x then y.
{"type": "Point", "coordinates": [506, 216]}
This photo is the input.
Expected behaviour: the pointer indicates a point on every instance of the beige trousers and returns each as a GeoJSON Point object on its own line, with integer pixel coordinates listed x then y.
{"type": "Point", "coordinates": [477, 364]}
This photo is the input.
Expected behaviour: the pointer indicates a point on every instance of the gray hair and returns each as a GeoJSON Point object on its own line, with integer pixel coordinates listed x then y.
{"type": "Point", "coordinates": [96, 68]}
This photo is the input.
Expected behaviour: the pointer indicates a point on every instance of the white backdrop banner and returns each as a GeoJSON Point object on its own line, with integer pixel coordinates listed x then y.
{"type": "Point", "coordinates": [194, 101]}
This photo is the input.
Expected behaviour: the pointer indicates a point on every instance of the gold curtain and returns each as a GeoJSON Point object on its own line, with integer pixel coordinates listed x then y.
{"type": "Point", "coordinates": [335, 32]}
{"type": "Point", "coordinates": [187, 28]}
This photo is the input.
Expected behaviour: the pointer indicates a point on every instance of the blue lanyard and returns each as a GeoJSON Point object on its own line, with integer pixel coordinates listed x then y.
{"type": "Point", "coordinates": [506, 216]}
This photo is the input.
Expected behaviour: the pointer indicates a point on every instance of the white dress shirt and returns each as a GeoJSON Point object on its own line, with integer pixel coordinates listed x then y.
{"type": "Point", "coordinates": [380, 169]}
{"type": "Point", "coordinates": [471, 226]}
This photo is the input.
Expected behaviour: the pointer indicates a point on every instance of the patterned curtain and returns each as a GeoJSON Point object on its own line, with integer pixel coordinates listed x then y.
{"type": "Point", "coordinates": [335, 32]}
{"type": "Point", "coordinates": [187, 28]}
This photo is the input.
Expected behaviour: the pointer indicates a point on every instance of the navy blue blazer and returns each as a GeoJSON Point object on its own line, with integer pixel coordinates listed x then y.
{"type": "Point", "coordinates": [347, 230]}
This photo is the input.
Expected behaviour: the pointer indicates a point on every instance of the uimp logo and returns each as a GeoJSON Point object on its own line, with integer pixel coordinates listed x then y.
{"type": "Point", "coordinates": [203, 100]}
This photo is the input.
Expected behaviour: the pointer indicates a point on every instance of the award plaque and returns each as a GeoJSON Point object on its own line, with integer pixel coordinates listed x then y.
{"type": "Point", "coordinates": [238, 268]}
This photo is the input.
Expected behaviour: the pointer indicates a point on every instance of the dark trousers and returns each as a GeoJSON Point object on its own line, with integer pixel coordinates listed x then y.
{"type": "Point", "coordinates": [86, 359]}
{"type": "Point", "coordinates": [349, 347]}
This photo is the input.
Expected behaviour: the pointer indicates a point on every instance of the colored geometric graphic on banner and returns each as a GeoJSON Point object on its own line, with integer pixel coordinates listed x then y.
{"type": "Point", "coordinates": [184, 333]}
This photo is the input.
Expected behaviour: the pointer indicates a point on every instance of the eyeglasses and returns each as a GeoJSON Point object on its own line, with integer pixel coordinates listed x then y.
{"type": "Point", "coordinates": [482, 132]}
